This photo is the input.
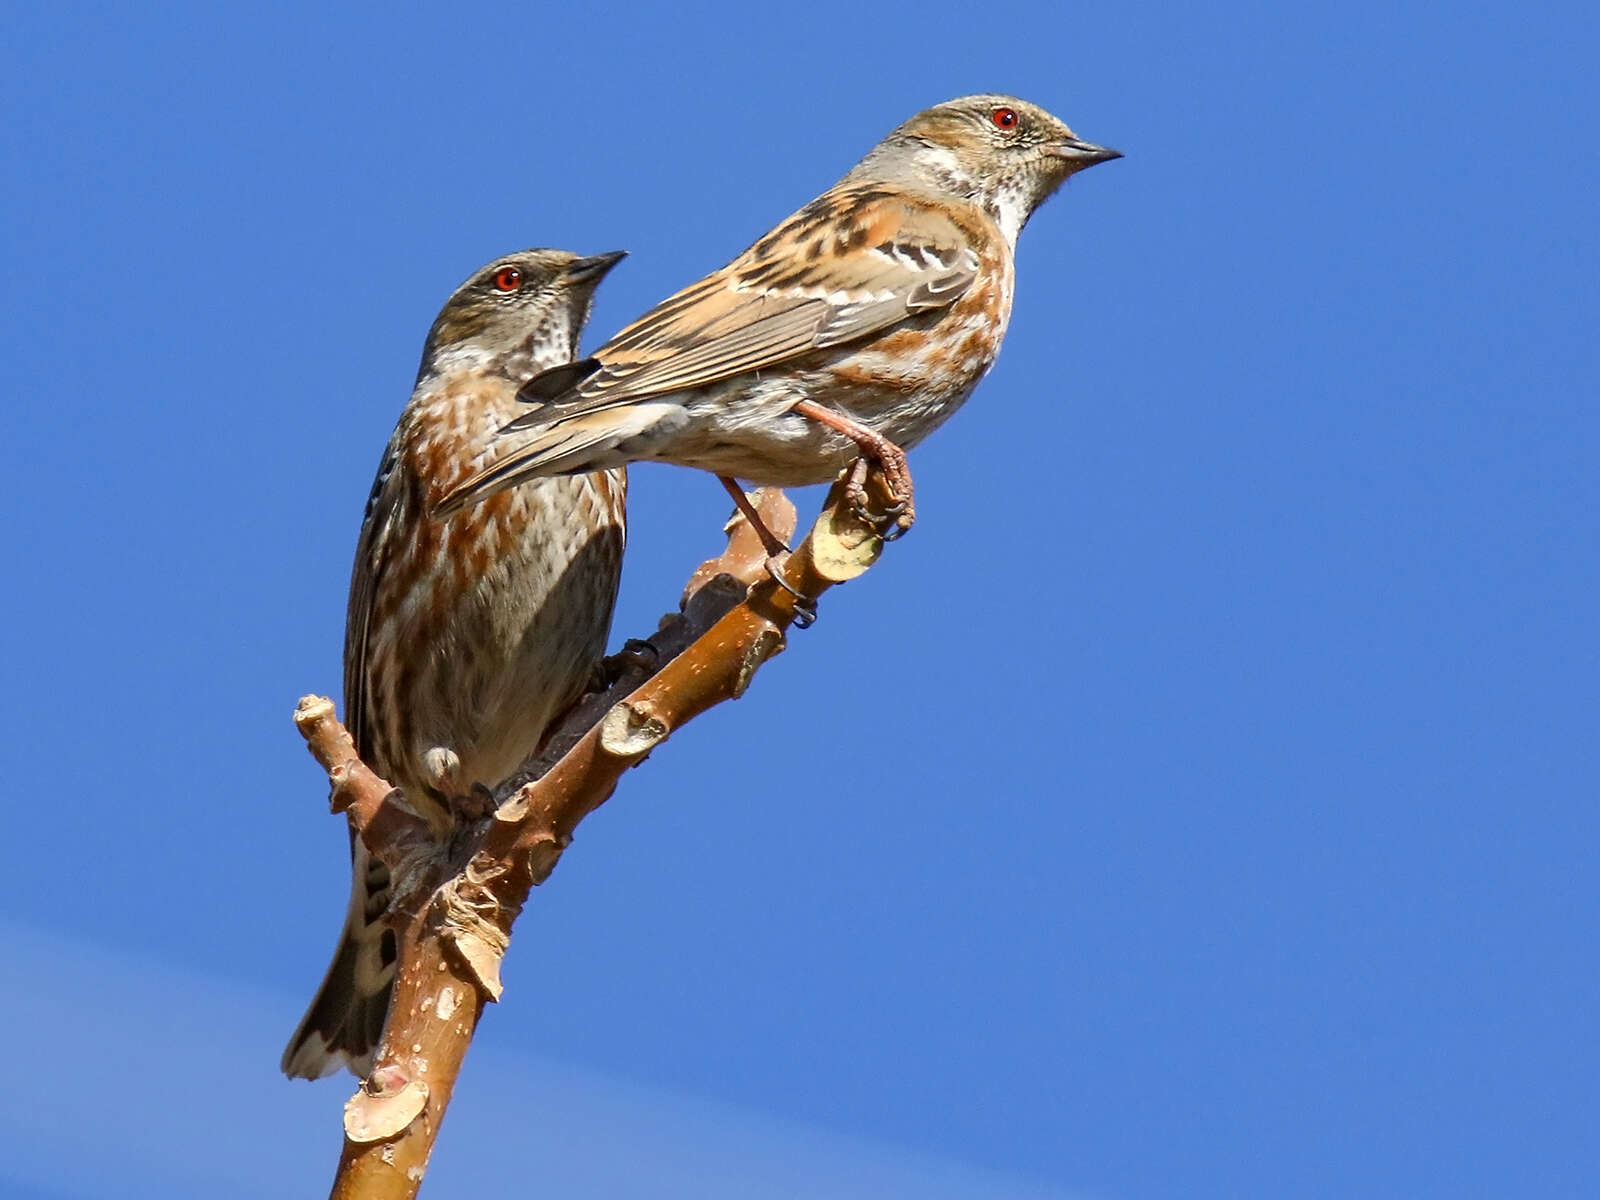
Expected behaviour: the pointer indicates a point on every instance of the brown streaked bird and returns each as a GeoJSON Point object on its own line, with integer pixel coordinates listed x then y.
{"type": "Point", "coordinates": [465, 636]}
{"type": "Point", "coordinates": [851, 331]}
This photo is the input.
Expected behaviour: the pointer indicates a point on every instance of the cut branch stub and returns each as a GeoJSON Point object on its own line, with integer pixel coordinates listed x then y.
{"type": "Point", "coordinates": [480, 958]}
{"type": "Point", "coordinates": [631, 731]}
{"type": "Point", "coordinates": [377, 811]}
{"type": "Point", "coordinates": [842, 545]}
{"type": "Point", "coordinates": [383, 1106]}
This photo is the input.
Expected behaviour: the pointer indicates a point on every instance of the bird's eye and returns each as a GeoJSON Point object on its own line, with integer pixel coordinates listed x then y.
{"type": "Point", "coordinates": [1004, 118]}
{"type": "Point", "coordinates": [507, 279]}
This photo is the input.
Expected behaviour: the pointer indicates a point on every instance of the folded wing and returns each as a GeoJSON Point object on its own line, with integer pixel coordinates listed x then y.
{"type": "Point", "coordinates": [851, 264]}
{"type": "Point", "coordinates": [842, 269]}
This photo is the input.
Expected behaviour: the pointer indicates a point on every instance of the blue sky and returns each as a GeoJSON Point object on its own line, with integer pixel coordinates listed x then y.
{"type": "Point", "coordinates": [1205, 789]}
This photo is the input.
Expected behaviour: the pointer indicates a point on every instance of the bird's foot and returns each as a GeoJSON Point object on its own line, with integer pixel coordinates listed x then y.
{"type": "Point", "coordinates": [901, 513]}
{"type": "Point", "coordinates": [805, 607]}
{"type": "Point", "coordinates": [893, 520]}
{"type": "Point", "coordinates": [635, 652]}
{"type": "Point", "coordinates": [475, 804]}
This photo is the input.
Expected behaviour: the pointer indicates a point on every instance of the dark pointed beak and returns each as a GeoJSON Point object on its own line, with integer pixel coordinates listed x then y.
{"type": "Point", "coordinates": [1084, 154]}
{"type": "Point", "coordinates": [593, 269]}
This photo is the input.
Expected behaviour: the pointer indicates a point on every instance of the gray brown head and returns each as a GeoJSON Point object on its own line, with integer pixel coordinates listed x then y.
{"type": "Point", "coordinates": [997, 151]}
{"type": "Point", "coordinates": [527, 305]}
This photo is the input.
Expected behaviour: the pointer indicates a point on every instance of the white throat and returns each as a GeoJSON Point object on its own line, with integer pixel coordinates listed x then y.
{"type": "Point", "coordinates": [1011, 205]}
{"type": "Point", "coordinates": [462, 357]}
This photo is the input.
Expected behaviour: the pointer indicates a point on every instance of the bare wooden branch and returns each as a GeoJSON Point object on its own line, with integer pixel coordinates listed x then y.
{"type": "Point", "coordinates": [391, 830]}
{"type": "Point", "coordinates": [456, 922]}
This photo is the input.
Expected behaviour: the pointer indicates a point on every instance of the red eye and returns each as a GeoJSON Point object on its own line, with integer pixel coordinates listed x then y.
{"type": "Point", "coordinates": [1005, 118]}
{"type": "Point", "coordinates": [507, 279]}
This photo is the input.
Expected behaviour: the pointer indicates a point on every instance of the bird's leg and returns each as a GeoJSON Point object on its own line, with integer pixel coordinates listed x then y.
{"type": "Point", "coordinates": [888, 456]}
{"type": "Point", "coordinates": [770, 542]}
{"type": "Point", "coordinates": [805, 607]}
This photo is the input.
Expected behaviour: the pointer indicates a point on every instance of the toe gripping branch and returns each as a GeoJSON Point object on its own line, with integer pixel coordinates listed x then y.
{"type": "Point", "coordinates": [868, 505]}
{"type": "Point", "coordinates": [846, 540]}
{"type": "Point", "coordinates": [893, 517]}
{"type": "Point", "coordinates": [805, 607]}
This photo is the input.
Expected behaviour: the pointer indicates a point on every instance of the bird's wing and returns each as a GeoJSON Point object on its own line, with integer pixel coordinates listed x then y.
{"type": "Point", "coordinates": [850, 264]}
{"type": "Point", "coordinates": [374, 548]}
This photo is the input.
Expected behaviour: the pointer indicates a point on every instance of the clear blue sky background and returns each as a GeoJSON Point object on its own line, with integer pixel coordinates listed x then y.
{"type": "Point", "coordinates": [1205, 791]}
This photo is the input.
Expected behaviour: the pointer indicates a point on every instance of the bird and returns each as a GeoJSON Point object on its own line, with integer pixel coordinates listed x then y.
{"type": "Point", "coordinates": [465, 636]}
{"type": "Point", "coordinates": [848, 333]}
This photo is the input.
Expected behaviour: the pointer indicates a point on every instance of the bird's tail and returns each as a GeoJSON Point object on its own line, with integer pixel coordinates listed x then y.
{"type": "Point", "coordinates": [345, 1020]}
{"type": "Point", "coordinates": [568, 443]}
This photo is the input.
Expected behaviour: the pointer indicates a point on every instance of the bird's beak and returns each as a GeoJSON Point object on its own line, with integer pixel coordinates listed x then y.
{"type": "Point", "coordinates": [593, 269]}
{"type": "Point", "coordinates": [1080, 153]}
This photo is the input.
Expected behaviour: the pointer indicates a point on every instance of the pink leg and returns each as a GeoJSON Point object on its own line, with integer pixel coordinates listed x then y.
{"type": "Point", "coordinates": [879, 449]}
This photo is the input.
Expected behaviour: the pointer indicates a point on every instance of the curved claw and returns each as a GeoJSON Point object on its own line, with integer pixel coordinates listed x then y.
{"type": "Point", "coordinates": [891, 526]}
{"type": "Point", "coordinates": [805, 607]}
{"type": "Point", "coordinates": [893, 522]}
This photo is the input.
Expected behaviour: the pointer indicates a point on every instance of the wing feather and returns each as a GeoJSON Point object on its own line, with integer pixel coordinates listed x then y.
{"type": "Point", "coordinates": [847, 266]}
{"type": "Point", "coordinates": [373, 549]}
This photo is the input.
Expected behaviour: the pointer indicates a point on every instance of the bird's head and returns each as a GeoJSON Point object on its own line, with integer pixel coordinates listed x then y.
{"type": "Point", "coordinates": [529, 305]}
{"type": "Point", "coordinates": [1000, 152]}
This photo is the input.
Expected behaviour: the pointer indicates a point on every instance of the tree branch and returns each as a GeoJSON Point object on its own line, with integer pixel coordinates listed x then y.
{"type": "Point", "coordinates": [454, 904]}
{"type": "Point", "coordinates": [391, 830]}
